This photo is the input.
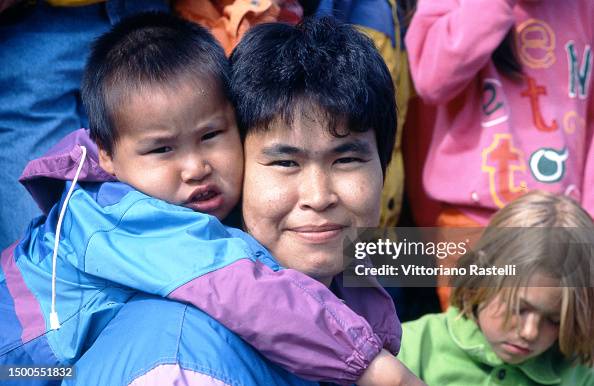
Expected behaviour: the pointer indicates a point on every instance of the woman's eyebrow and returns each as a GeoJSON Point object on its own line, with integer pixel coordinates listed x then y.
{"type": "Point", "coordinates": [355, 146]}
{"type": "Point", "coordinates": [280, 150]}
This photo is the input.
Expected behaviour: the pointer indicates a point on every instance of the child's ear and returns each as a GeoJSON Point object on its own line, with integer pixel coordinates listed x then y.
{"type": "Point", "coordinates": [106, 162]}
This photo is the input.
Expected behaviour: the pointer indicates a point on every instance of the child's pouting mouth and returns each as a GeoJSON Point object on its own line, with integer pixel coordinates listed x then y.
{"type": "Point", "coordinates": [206, 198]}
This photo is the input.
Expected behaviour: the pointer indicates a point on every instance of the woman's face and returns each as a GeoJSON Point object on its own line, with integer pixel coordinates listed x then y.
{"type": "Point", "coordinates": [304, 189]}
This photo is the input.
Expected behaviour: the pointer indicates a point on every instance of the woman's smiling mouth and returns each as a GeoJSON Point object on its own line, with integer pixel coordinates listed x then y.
{"type": "Point", "coordinates": [318, 234]}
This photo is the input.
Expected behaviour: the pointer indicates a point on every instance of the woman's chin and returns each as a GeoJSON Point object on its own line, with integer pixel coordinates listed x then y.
{"type": "Point", "coordinates": [323, 269]}
{"type": "Point", "coordinates": [314, 263]}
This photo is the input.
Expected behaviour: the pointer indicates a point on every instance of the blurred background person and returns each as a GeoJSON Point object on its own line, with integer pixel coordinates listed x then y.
{"type": "Point", "coordinates": [506, 89]}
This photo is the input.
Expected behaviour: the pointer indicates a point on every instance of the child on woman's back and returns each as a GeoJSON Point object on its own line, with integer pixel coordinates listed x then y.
{"type": "Point", "coordinates": [532, 328]}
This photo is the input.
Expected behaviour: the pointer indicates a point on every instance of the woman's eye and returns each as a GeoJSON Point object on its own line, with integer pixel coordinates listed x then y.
{"type": "Point", "coordinates": [348, 160]}
{"type": "Point", "coordinates": [161, 150]}
{"type": "Point", "coordinates": [284, 163]}
{"type": "Point", "coordinates": [211, 135]}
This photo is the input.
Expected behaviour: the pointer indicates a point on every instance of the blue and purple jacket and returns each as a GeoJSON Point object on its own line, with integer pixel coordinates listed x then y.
{"type": "Point", "coordinates": [173, 344]}
{"type": "Point", "coordinates": [116, 241]}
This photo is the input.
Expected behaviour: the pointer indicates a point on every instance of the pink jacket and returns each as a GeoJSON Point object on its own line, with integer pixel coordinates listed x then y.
{"type": "Point", "coordinates": [494, 138]}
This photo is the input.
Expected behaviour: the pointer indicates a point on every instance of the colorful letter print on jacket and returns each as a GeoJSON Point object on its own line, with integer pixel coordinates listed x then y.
{"type": "Point", "coordinates": [500, 136]}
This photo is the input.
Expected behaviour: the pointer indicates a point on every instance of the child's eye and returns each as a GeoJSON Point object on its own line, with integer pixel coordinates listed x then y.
{"type": "Point", "coordinates": [211, 135]}
{"type": "Point", "coordinates": [161, 150]}
{"type": "Point", "coordinates": [284, 163]}
{"type": "Point", "coordinates": [554, 321]}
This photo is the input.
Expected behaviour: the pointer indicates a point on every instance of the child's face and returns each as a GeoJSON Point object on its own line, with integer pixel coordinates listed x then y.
{"type": "Point", "coordinates": [530, 333]}
{"type": "Point", "coordinates": [180, 145]}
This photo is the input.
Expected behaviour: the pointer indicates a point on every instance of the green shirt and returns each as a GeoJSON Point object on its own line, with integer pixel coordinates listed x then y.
{"type": "Point", "coordinates": [448, 349]}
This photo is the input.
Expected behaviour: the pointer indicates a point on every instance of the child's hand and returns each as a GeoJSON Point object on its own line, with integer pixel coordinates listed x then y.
{"type": "Point", "coordinates": [387, 370]}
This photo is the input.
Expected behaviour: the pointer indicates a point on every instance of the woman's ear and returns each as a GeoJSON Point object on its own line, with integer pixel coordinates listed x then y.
{"type": "Point", "coordinates": [106, 162]}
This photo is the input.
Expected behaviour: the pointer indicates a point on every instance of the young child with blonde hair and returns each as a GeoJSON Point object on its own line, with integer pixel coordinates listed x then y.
{"type": "Point", "coordinates": [532, 328]}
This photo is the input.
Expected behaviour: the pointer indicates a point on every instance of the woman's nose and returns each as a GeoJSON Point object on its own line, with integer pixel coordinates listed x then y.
{"type": "Point", "coordinates": [317, 190]}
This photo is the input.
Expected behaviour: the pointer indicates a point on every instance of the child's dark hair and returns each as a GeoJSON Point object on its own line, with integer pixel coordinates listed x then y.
{"type": "Point", "coordinates": [149, 49]}
{"type": "Point", "coordinates": [278, 68]}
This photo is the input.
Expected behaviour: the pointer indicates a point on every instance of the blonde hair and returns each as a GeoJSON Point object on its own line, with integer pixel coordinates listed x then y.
{"type": "Point", "coordinates": [562, 250]}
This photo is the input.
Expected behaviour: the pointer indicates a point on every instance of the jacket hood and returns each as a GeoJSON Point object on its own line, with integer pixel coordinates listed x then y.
{"type": "Point", "coordinates": [45, 176]}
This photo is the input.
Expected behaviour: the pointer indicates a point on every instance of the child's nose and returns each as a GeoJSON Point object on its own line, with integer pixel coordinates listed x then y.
{"type": "Point", "coordinates": [529, 329]}
{"type": "Point", "coordinates": [195, 169]}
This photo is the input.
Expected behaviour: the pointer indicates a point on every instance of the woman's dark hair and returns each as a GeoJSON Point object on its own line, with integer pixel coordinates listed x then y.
{"type": "Point", "coordinates": [276, 68]}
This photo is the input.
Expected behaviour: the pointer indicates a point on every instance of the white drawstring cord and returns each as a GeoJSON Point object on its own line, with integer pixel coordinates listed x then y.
{"type": "Point", "coordinates": [54, 320]}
